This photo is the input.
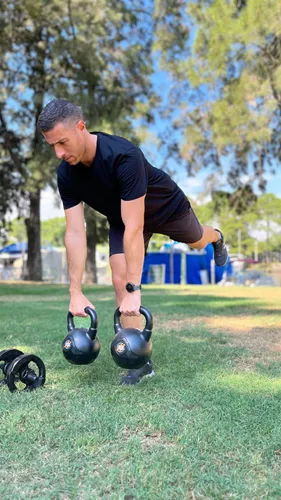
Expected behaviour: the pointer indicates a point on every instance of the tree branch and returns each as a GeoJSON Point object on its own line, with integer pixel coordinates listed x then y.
{"type": "Point", "coordinates": [8, 143]}
{"type": "Point", "coordinates": [70, 19]}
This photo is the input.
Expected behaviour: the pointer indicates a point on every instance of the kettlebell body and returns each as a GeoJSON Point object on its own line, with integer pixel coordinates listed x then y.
{"type": "Point", "coordinates": [132, 348]}
{"type": "Point", "coordinates": [81, 346]}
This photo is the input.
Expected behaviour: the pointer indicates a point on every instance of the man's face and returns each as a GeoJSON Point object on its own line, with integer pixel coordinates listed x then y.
{"type": "Point", "coordinates": [68, 143]}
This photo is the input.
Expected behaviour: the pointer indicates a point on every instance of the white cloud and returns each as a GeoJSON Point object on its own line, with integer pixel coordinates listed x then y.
{"type": "Point", "coordinates": [191, 183]}
{"type": "Point", "coordinates": [245, 178]}
{"type": "Point", "coordinates": [202, 198]}
{"type": "Point", "coordinates": [49, 205]}
{"type": "Point", "coordinates": [261, 233]}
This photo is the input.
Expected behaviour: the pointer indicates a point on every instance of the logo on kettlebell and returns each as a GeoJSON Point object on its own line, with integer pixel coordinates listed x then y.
{"type": "Point", "coordinates": [67, 344]}
{"type": "Point", "coordinates": [121, 347]}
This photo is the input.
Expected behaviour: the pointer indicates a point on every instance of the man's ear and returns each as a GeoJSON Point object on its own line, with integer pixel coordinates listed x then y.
{"type": "Point", "coordinates": [81, 125]}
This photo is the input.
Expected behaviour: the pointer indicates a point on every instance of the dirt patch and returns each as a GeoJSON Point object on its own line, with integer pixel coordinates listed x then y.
{"type": "Point", "coordinates": [261, 332]}
{"type": "Point", "coordinates": [259, 335]}
{"type": "Point", "coordinates": [241, 323]}
{"type": "Point", "coordinates": [181, 324]}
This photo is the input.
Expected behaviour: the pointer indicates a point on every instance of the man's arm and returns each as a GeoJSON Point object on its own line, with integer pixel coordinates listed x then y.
{"type": "Point", "coordinates": [132, 213]}
{"type": "Point", "coordinates": [76, 253]}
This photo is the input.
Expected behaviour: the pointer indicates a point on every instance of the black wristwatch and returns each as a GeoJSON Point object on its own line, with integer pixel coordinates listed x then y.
{"type": "Point", "coordinates": [130, 287]}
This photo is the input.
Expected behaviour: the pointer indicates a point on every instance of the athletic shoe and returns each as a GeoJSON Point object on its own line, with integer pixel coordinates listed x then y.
{"type": "Point", "coordinates": [220, 251]}
{"type": "Point", "coordinates": [135, 376]}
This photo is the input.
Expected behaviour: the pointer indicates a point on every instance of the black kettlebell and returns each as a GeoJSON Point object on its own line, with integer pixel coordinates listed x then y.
{"type": "Point", "coordinates": [130, 347]}
{"type": "Point", "coordinates": [81, 346]}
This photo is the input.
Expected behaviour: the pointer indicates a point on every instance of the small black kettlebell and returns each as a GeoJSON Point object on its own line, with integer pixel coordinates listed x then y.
{"type": "Point", "coordinates": [81, 346]}
{"type": "Point", "coordinates": [130, 347]}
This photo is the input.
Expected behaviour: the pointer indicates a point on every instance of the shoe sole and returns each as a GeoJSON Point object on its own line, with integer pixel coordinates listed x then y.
{"type": "Point", "coordinates": [223, 264]}
{"type": "Point", "coordinates": [145, 376]}
{"type": "Point", "coordinates": [148, 375]}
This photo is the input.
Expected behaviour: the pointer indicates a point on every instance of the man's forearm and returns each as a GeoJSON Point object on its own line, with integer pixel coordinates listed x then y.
{"type": "Point", "coordinates": [134, 254]}
{"type": "Point", "coordinates": [76, 252]}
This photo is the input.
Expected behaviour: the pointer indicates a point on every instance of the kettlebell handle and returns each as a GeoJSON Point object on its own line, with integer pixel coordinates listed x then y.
{"type": "Point", "coordinates": [92, 332]}
{"type": "Point", "coordinates": [147, 331]}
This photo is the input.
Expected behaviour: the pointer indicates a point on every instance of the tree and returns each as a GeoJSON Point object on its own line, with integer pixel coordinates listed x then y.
{"type": "Point", "coordinates": [261, 218]}
{"type": "Point", "coordinates": [100, 58]}
{"type": "Point", "coordinates": [96, 232]}
{"type": "Point", "coordinates": [10, 173]}
{"type": "Point", "coordinates": [228, 91]}
{"type": "Point", "coordinates": [52, 232]}
{"type": "Point", "coordinates": [240, 201]}
{"type": "Point", "coordinates": [269, 221]}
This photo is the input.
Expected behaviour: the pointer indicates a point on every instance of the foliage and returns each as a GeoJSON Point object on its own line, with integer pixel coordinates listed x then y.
{"type": "Point", "coordinates": [263, 215]}
{"type": "Point", "coordinates": [269, 213]}
{"type": "Point", "coordinates": [220, 89]}
{"type": "Point", "coordinates": [17, 231]}
{"type": "Point", "coordinates": [53, 230]}
{"type": "Point", "coordinates": [226, 95]}
{"type": "Point", "coordinates": [100, 58]}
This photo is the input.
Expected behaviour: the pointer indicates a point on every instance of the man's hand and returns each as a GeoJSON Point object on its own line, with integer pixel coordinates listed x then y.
{"type": "Point", "coordinates": [131, 303]}
{"type": "Point", "coordinates": [78, 302]}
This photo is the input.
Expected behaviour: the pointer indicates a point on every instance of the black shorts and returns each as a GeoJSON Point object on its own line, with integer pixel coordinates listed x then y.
{"type": "Point", "coordinates": [185, 229]}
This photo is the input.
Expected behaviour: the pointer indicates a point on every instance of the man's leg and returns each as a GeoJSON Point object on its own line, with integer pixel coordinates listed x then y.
{"type": "Point", "coordinates": [118, 270]}
{"type": "Point", "coordinates": [214, 236]}
{"type": "Point", "coordinates": [188, 230]}
{"type": "Point", "coordinates": [209, 235]}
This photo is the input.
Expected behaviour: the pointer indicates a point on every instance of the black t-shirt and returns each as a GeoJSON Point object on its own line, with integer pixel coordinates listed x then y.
{"type": "Point", "coordinates": [121, 172]}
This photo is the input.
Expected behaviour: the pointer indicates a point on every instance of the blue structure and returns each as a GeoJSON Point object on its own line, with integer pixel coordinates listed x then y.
{"type": "Point", "coordinates": [200, 262]}
{"type": "Point", "coordinates": [14, 248]}
{"type": "Point", "coordinates": [194, 264]}
{"type": "Point", "coordinates": [156, 258]}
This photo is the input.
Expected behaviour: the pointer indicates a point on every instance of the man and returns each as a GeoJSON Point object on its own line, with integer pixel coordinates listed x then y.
{"type": "Point", "coordinates": [112, 176]}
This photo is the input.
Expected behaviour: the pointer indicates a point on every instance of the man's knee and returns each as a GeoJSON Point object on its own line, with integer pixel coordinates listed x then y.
{"type": "Point", "coordinates": [118, 270]}
{"type": "Point", "coordinates": [199, 245]}
{"type": "Point", "coordinates": [119, 282]}
{"type": "Point", "coordinates": [209, 235]}
{"type": "Point", "coordinates": [202, 243]}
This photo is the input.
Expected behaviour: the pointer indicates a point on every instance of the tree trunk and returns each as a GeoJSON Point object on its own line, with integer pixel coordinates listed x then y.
{"type": "Point", "coordinates": [91, 232]}
{"type": "Point", "coordinates": [34, 261]}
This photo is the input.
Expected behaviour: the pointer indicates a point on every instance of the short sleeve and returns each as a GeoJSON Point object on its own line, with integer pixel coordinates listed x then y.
{"type": "Point", "coordinates": [132, 175]}
{"type": "Point", "coordinates": [69, 200]}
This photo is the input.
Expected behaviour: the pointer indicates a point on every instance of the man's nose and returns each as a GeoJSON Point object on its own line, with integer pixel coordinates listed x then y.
{"type": "Point", "coordinates": [59, 152]}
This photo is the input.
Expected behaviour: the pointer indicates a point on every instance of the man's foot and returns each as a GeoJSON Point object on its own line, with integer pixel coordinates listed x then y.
{"type": "Point", "coordinates": [220, 251]}
{"type": "Point", "coordinates": [135, 376]}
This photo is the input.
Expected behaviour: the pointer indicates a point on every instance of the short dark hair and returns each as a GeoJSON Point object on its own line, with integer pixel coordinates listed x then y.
{"type": "Point", "coordinates": [59, 111]}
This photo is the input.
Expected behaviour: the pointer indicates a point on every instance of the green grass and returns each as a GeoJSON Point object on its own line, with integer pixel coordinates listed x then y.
{"type": "Point", "coordinates": [206, 426]}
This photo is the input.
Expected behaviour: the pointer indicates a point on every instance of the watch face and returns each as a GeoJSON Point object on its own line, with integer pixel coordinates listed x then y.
{"type": "Point", "coordinates": [130, 287]}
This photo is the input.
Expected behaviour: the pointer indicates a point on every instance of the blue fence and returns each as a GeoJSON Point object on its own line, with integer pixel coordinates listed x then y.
{"type": "Point", "coordinates": [194, 264]}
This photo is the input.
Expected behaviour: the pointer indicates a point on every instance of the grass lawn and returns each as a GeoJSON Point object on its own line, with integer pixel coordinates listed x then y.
{"type": "Point", "coordinates": [208, 425]}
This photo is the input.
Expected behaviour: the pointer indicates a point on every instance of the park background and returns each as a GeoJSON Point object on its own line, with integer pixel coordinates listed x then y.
{"type": "Point", "coordinates": [197, 84]}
